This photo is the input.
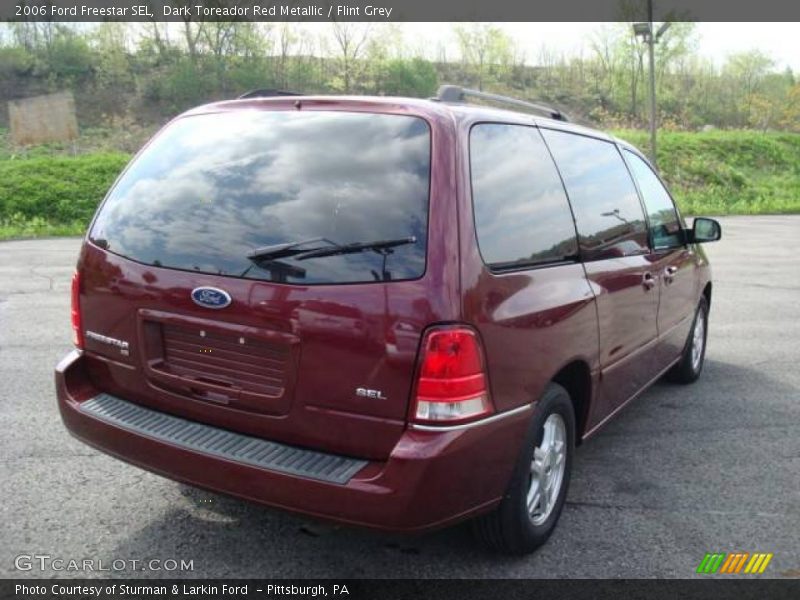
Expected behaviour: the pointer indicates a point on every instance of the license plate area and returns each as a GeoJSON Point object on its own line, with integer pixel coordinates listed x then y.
{"type": "Point", "coordinates": [243, 367]}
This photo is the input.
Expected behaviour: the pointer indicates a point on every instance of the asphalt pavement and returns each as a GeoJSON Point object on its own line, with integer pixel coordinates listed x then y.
{"type": "Point", "coordinates": [683, 470]}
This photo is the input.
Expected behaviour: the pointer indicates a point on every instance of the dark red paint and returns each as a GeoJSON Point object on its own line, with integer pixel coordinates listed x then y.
{"type": "Point", "coordinates": [596, 321]}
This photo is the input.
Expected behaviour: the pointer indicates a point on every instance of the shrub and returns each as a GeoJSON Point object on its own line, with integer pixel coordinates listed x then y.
{"type": "Point", "coordinates": [45, 192]}
{"type": "Point", "coordinates": [57, 189]}
{"type": "Point", "coordinates": [15, 62]}
{"type": "Point", "coordinates": [728, 172]}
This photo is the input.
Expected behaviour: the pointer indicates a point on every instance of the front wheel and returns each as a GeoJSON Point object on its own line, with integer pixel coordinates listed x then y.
{"type": "Point", "coordinates": [536, 494]}
{"type": "Point", "coordinates": [689, 367]}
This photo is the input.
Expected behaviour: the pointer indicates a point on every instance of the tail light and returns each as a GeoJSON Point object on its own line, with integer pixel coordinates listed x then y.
{"type": "Point", "coordinates": [77, 330]}
{"type": "Point", "coordinates": [451, 384]}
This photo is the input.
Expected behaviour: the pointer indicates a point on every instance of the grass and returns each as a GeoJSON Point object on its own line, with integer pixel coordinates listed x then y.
{"type": "Point", "coordinates": [17, 227]}
{"type": "Point", "coordinates": [126, 138]}
{"type": "Point", "coordinates": [728, 172]}
{"type": "Point", "coordinates": [54, 189]}
{"type": "Point", "coordinates": [47, 195]}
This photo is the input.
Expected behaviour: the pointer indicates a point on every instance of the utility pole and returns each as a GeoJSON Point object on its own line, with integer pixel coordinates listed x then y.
{"type": "Point", "coordinates": [651, 42]}
{"type": "Point", "coordinates": [645, 31]}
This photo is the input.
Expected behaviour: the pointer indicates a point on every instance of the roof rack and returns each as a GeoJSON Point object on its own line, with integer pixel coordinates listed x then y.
{"type": "Point", "coordinates": [456, 94]}
{"type": "Point", "coordinates": [267, 93]}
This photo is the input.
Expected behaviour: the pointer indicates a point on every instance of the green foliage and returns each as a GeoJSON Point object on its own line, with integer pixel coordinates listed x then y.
{"type": "Point", "coordinates": [486, 51]}
{"type": "Point", "coordinates": [17, 226]}
{"type": "Point", "coordinates": [57, 190]}
{"type": "Point", "coordinates": [122, 91]}
{"type": "Point", "coordinates": [302, 75]}
{"type": "Point", "coordinates": [714, 173]}
{"type": "Point", "coordinates": [249, 75]}
{"type": "Point", "coordinates": [728, 172]}
{"type": "Point", "coordinates": [180, 86]}
{"type": "Point", "coordinates": [68, 56]}
{"type": "Point", "coordinates": [152, 71]}
{"type": "Point", "coordinates": [790, 119]}
{"type": "Point", "coordinates": [15, 62]}
{"type": "Point", "coordinates": [415, 77]}
{"type": "Point", "coordinates": [118, 136]}
{"type": "Point", "coordinates": [113, 68]}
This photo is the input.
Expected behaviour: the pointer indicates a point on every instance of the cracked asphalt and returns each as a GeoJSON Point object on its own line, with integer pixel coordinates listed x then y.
{"type": "Point", "coordinates": [712, 467]}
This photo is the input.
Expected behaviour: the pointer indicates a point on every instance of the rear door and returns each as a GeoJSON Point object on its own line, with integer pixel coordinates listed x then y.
{"type": "Point", "coordinates": [612, 235]}
{"type": "Point", "coordinates": [260, 264]}
{"type": "Point", "coordinates": [527, 293]}
{"type": "Point", "coordinates": [673, 260]}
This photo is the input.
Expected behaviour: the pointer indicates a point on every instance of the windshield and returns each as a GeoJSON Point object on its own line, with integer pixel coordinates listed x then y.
{"type": "Point", "coordinates": [211, 190]}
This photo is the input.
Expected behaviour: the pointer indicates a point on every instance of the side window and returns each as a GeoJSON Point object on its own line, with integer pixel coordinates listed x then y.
{"type": "Point", "coordinates": [607, 209]}
{"type": "Point", "coordinates": [522, 216]}
{"type": "Point", "coordinates": [665, 227]}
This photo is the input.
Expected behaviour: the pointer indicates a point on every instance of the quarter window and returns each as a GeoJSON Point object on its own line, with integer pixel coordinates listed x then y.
{"type": "Point", "coordinates": [607, 210]}
{"type": "Point", "coordinates": [522, 215]}
{"type": "Point", "coordinates": [665, 227]}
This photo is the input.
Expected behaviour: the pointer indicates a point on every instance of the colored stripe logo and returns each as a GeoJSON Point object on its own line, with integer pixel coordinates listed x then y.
{"type": "Point", "coordinates": [737, 562]}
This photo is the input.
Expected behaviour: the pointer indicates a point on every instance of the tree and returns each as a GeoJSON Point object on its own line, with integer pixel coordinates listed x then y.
{"type": "Point", "coordinates": [286, 41]}
{"type": "Point", "coordinates": [350, 39]}
{"type": "Point", "coordinates": [110, 41]}
{"type": "Point", "coordinates": [605, 44]}
{"type": "Point", "coordinates": [68, 55]}
{"type": "Point", "coordinates": [485, 49]}
{"type": "Point", "coordinates": [748, 69]}
{"type": "Point", "coordinates": [193, 31]}
{"type": "Point", "coordinates": [416, 77]}
{"type": "Point", "coordinates": [167, 68]}
{"type": "Point", "coordinates": [790, 117]}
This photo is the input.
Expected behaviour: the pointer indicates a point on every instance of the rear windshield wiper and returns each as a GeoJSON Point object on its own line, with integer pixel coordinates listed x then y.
{"type": "Point", "coordinates": [380, 246]}
{"type": "Point", "coordinates": [287, 249]}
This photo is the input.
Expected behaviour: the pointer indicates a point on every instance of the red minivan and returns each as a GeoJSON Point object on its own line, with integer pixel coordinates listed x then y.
{"type": "Point", "coordinates": [388, 312]}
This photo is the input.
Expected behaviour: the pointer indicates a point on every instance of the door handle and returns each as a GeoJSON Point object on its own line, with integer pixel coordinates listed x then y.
{"type": "Point", "coordinates": [669, 273]}
{"type": "Point", "coordinates": [648, 281]}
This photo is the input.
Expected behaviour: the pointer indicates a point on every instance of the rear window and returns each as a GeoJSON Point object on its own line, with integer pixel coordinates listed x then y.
{"type": "Point", "coordinates": [349, 189]}
{"type": "Point", "coordinates": [522, 216]}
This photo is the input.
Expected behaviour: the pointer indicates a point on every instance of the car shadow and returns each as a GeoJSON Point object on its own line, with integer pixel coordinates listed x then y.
{"type": "Point", "coordinates": [227, 537]}
{"type": "Point", "coordinates": [726, 392]}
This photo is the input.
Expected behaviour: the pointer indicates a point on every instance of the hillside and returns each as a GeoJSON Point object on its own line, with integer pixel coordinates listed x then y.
{"type": "Point", "coordinates": [54, 190]}
{"type": "Point", "coordinates": [728, 172]}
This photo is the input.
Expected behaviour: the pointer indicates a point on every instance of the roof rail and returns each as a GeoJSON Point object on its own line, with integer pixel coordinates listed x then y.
{"type": "Point", "coordinates": [457, 94]}
{"type": "Point", "coordinates": [267, 93]}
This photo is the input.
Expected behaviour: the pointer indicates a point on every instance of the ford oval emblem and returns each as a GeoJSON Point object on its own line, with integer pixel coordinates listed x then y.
{"type": "Point", "coordinates": [210, 297]}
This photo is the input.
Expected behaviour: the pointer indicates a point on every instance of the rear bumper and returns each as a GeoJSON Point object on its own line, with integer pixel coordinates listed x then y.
{"type": "Point", "coordinates": [430, 480]}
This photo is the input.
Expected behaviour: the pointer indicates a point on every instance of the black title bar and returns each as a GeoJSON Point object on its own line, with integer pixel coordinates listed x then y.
{"type": "Point", "coordinates": [396, 589]}
{"type": "Point", "coordinates": [397, 10]}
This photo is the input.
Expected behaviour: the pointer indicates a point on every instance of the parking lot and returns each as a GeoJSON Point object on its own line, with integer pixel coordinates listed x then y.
{"type": "Point", "coordinates": [713, 467]}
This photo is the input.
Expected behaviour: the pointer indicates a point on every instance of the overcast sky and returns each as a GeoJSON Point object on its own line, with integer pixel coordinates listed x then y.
{"type": "Point", "coordinates": [716, 40]}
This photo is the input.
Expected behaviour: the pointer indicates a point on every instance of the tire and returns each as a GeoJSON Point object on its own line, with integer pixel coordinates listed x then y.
{"type": "Point", "coordinates": [512, 528]}
{"type": "Point", "coordinates": [690, 365]}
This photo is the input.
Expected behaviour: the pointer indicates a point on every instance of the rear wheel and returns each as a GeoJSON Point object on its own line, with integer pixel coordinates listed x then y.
{"type": "Point", "coordinates": [690, 365]}
{"type": "Point", "coordinates": [532, 505]}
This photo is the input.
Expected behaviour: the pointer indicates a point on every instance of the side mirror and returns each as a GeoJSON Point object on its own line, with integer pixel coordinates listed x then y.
{"type": "Point", "coordinates": [705, 230]}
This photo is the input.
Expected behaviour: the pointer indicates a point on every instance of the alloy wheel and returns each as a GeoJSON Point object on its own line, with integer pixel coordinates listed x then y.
{"type": "Point", "coordinates": [698, 340]}
{"type": "Point", "coordinates": [547, 469]}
